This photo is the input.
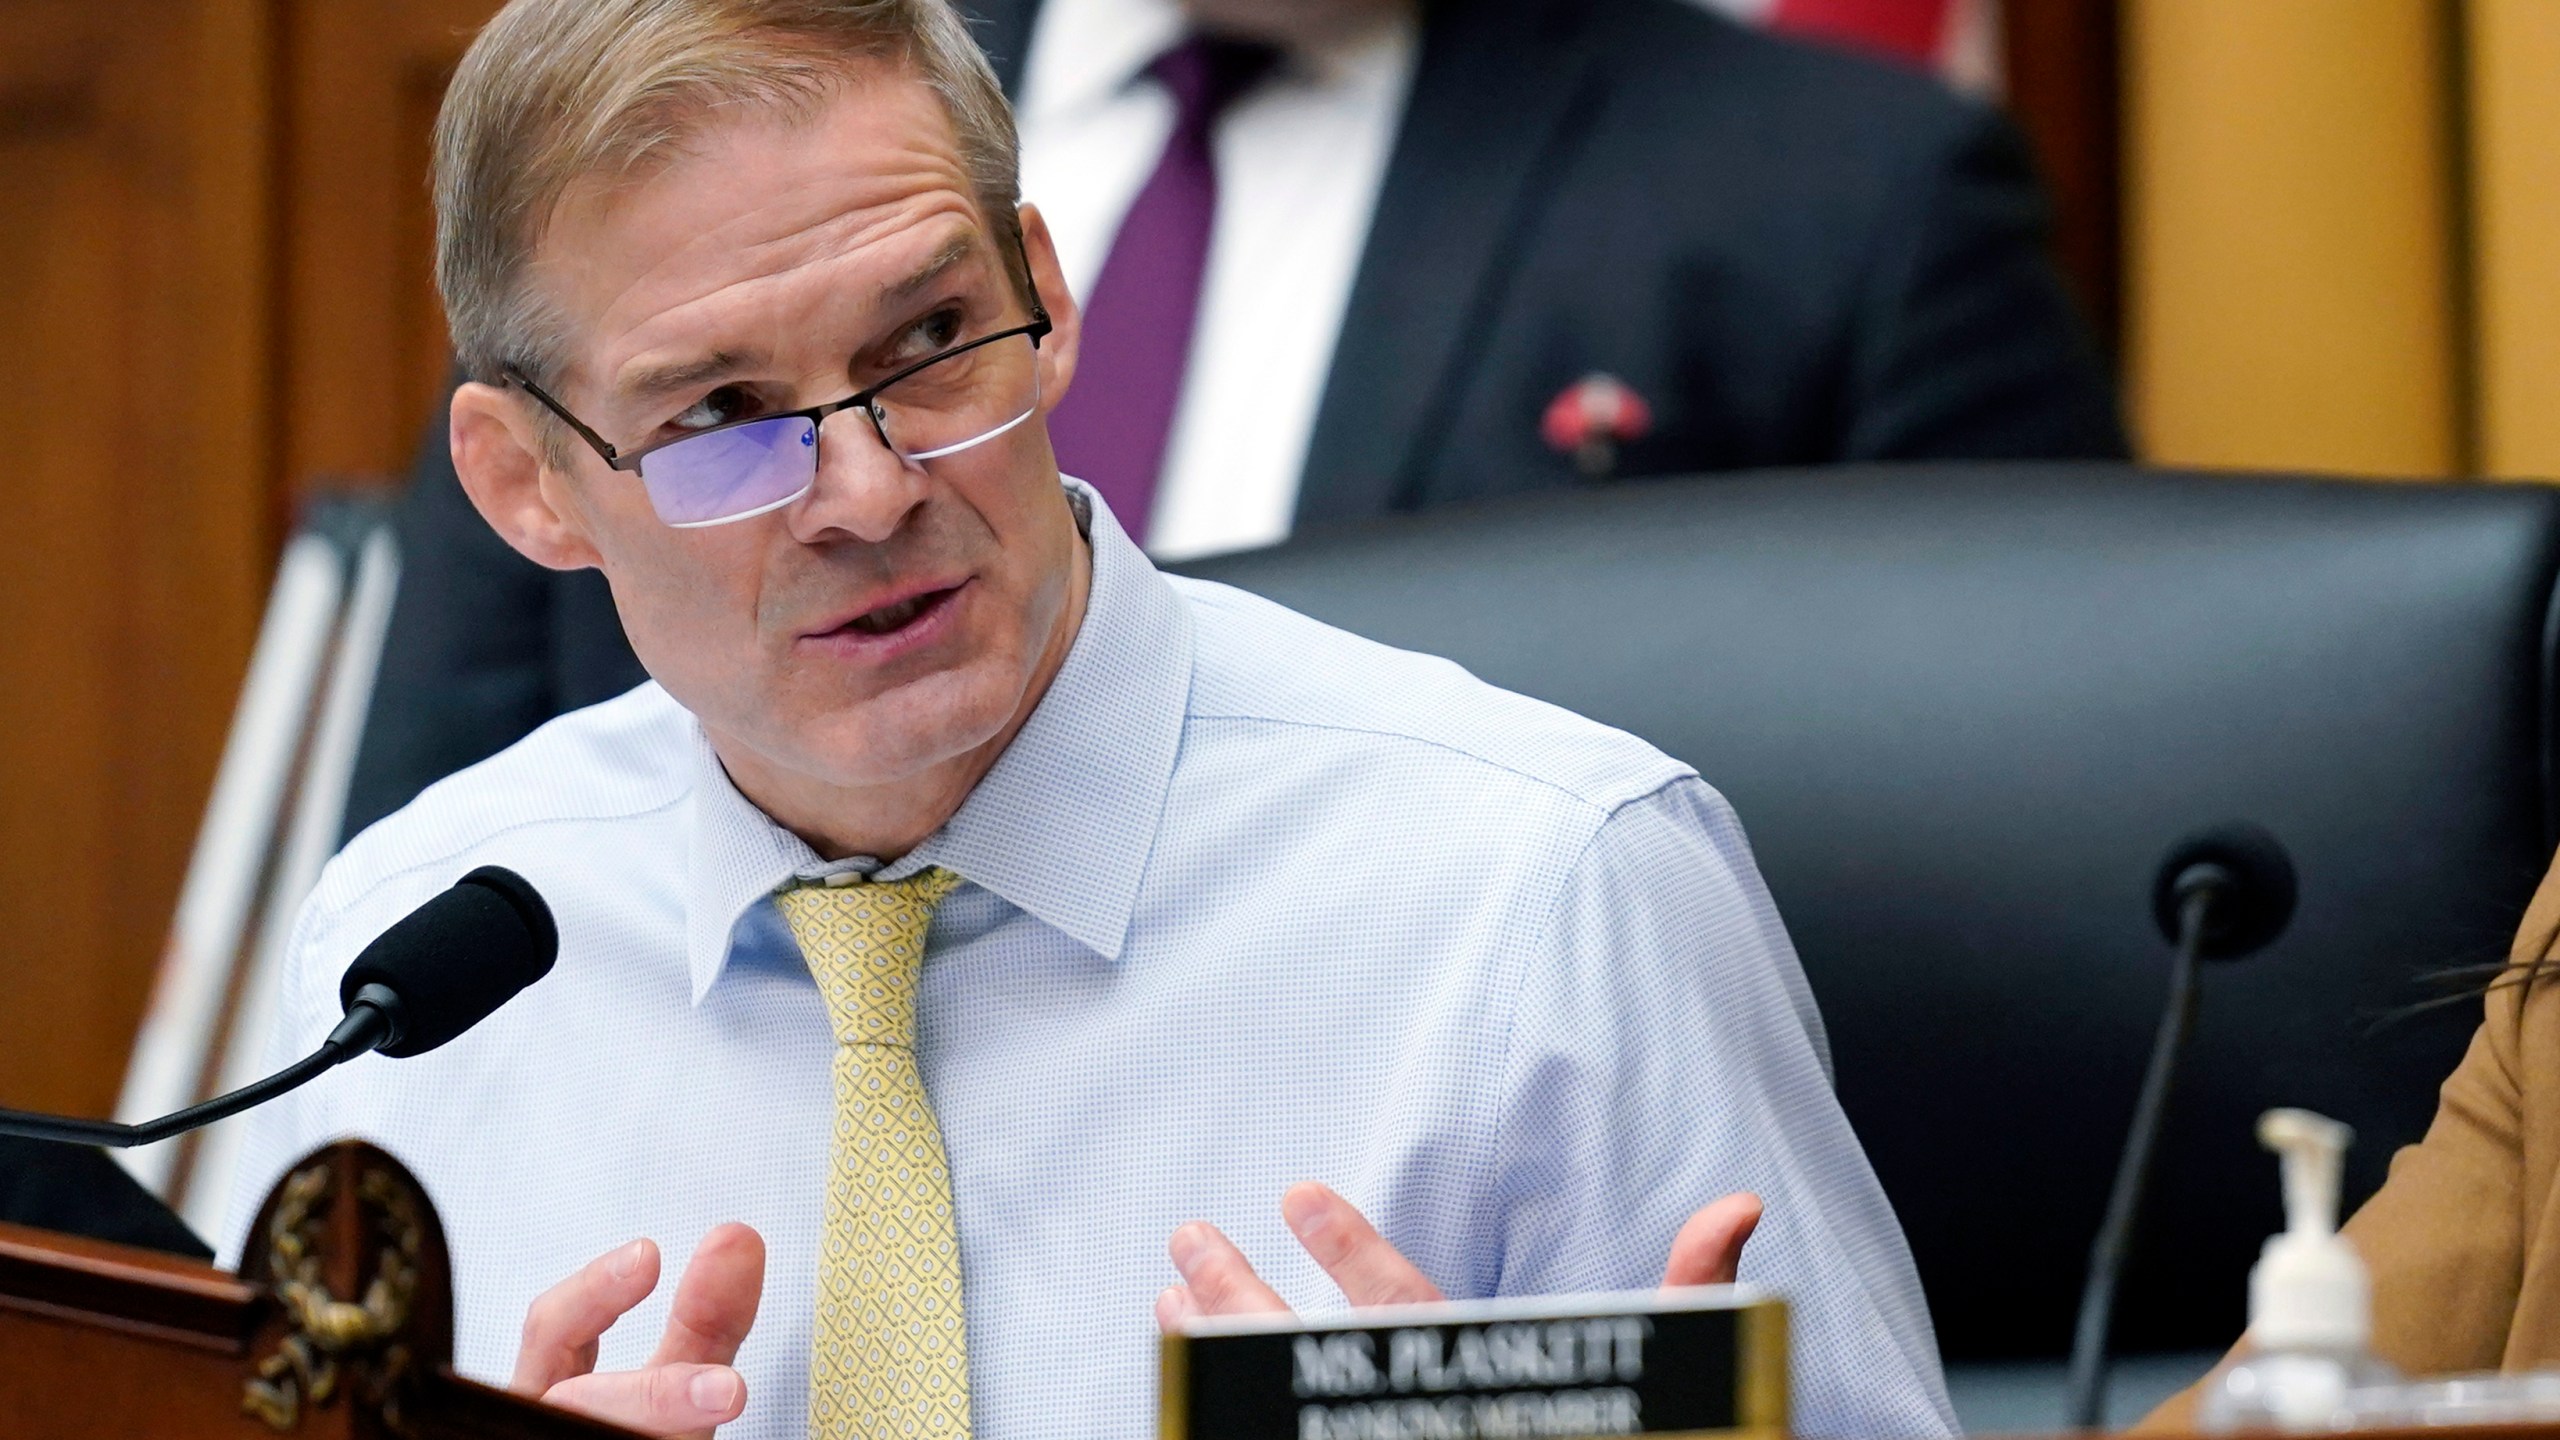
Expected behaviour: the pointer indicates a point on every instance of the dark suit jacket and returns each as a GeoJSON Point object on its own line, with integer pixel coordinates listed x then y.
{"type": "Point", "coordinates": [1794, 255]}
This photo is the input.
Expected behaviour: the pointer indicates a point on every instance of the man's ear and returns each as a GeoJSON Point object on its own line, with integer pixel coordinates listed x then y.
{"type": "Point", "coordinates": [1066, 323]}
{"type": "Point", "coordinates": [498, 454]}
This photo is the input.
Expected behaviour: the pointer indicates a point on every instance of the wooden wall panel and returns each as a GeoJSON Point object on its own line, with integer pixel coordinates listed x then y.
{"type": "Point", "coordinates": [2513, 66]}
{"type": "Point", "coordinates": [134, 345]}
{"type": "Point", "coordinates": [215, 293]}
{"type": "Point", "coordinates": [364, 333]}
{"type": "Point", "coordinates": [2059, 69]}
{"type": "Point", "coordinates": [2293, 300]}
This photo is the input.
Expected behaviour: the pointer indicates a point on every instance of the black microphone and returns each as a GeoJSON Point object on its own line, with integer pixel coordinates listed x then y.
{"type": "Point", "coordinates": [2221, 893]}
{"type": "Point", "coordinates": [445, 967]}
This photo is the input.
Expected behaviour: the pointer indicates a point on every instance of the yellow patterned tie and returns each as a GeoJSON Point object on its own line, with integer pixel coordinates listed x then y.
{"type": "Point", "coordinates": [890, 1356]}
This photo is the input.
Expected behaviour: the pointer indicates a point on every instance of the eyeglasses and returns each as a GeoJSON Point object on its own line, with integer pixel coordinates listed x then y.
{"type": "Point", "coordinates": [940, 405]}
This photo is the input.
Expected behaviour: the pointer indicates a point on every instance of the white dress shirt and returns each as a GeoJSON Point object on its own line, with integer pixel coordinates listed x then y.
{"type": "Point", "coordinates": [1299, 158]}
{"type": "Point", "coordinates": [1247, 901]}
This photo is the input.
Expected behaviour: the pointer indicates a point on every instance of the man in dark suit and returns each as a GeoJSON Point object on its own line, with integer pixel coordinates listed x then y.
{"type": "Point", "coordinates": [1789, 256]}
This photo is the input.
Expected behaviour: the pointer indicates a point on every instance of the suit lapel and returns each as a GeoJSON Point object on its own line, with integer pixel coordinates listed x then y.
{"type": "Point", "coordinates": [1497, 90]}
{"type": "Point", "coordinates": [1003, 28]}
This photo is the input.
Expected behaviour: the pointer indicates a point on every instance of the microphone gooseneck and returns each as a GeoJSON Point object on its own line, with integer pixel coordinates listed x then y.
{"type": "Point", "coordinates": [2221, 894]}
{"type": "Point", "coordinates": [440, 970]}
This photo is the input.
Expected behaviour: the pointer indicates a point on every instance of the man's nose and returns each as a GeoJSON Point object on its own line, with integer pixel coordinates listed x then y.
{"type": "Point", "coordinates": [862, 489]}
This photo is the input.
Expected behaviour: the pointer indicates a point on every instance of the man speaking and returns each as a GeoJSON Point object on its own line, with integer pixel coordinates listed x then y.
{"type": "Point", "coordinates": [979, 916]}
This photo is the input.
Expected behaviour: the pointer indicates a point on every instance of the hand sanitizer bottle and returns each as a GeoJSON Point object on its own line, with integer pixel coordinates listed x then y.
{"type": "Point", "coordinates": [2310, 1301]}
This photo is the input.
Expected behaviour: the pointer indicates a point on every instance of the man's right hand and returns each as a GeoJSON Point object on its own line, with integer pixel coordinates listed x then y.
{"type": "Point", "coordinates": [688, 1387]}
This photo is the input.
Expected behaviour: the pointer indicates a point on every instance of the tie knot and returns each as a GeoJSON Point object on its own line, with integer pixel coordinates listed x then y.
{"type": "Point", "coordinates": [1206, 73]}
{"type": "Point", "coordinates": [865, 947]}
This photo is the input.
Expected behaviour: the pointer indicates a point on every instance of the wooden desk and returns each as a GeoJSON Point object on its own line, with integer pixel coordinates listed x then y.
{"type": "Point", "coordinates": [340, 1324]}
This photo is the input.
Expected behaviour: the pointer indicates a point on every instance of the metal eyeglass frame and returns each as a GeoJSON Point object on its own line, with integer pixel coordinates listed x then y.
{"type": "Point", "coordinates": [865, 401]}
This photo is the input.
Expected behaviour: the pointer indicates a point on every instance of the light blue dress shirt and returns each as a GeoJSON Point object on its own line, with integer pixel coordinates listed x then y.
{"type": "Point", "coordinates": [1249, 901]}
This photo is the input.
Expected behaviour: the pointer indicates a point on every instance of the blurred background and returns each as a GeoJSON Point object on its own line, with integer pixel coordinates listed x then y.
{"type": "Point", "coordinates": [2312, 236]}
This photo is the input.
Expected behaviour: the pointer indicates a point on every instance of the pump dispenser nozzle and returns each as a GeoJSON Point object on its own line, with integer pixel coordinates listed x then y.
{"type": "Point", "coordinates": [2309, 1289]}
{"type": "Point", "coordinates": [2310, 1148]}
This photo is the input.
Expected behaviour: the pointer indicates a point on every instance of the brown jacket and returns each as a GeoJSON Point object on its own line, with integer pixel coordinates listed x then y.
{"type": "Point", "coordinates": [2463, 1239]}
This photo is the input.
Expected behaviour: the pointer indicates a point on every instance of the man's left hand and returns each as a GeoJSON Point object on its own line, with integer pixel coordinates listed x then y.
{"type": "Point", "coordinates": [1218, 1280]}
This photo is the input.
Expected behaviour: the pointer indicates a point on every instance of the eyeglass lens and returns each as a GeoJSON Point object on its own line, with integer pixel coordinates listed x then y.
{"type": "Point", "coordinates": [733, 473]}
{"type": "Point", "coordinates": [746, 470]}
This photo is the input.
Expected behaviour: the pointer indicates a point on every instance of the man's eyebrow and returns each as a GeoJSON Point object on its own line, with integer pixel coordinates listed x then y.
{"type": "Point", "coordinates": [653, 381]}
{"type": "Point", "coordinates": [954, 250]}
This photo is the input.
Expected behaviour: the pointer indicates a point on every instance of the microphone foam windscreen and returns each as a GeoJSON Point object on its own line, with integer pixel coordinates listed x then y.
{"type": "Point", "coordinates": [454, 960]}
{"type": "Point", "coordinates": [2257, 886]}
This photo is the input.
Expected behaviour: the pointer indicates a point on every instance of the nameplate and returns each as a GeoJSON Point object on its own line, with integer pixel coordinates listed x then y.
{"type": "Point", "coordinates": [1705, 1361]}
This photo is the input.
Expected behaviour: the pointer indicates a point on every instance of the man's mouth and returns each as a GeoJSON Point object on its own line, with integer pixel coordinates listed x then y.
{"type": "Point", "coordinates": [897, 615]}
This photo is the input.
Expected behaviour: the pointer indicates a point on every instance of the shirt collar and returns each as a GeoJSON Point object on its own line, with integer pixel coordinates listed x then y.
{"type": "Point", "coordinates": [1064, 823]}
{"type": "Point", "coordinates": [1085, 52]}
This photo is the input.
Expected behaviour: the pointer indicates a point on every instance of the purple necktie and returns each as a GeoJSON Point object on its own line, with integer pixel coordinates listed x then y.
{"type": "Point", "coordinates": [1112, 428]}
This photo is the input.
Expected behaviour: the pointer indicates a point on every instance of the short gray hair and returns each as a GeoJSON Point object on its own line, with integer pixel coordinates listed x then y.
{"type": "Point", "coordinates": [555, 91]}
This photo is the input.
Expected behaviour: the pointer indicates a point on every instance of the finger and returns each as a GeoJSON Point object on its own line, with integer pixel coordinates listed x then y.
{"type": "Point", "coordinates": [715, 1304]}
{"type": "Point", "coordinates": [1220, 1279]}
{"type": "Point", "coordinates": [564, 1323]}
{"type": "Point", "coordinates": [1174, 1306]}
{"type": "Point", "coordinates": [1369, 1270]}
{"type": "Point", "coordinates": [1708, 1249]}
{"type": "Point", "coordinates": [661, 1400]}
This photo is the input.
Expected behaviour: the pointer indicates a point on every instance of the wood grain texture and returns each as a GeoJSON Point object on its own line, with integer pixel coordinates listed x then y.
{"type": "Point", "coordinates": [216, 293]}
{"type": "Point", "coordinates": [134, 286]}
{"type": "Point", "coordinates": [2513, 57]}
{"type": "Point", "coordinates": [364, 332]}
{"type": "Point", "coordinates": [2292, 299]}
{"type": "Point", "coordinates": [92, 1282]}
{"type": "Point", "coordinates": [107, 1341]}
{"type": "Point", "coordinates": [2059, 62]}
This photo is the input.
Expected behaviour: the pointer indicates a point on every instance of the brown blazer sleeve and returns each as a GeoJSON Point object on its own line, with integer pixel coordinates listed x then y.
{"type": "Point", "coordinates": [2444, 1236]}
{"type": "Point", "coordinates": [2447, 1234]}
